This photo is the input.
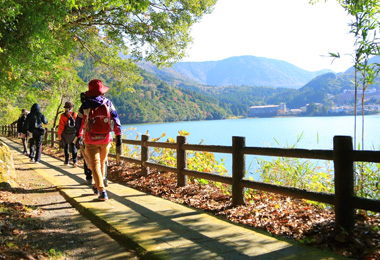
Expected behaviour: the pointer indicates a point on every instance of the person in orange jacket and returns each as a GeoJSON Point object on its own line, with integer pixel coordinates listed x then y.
{"type": "Point", "coordinates": [66, 133]}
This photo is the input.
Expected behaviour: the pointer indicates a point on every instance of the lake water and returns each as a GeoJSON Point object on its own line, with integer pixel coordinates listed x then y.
{"type": "Point", "coordinates": [317, 132]}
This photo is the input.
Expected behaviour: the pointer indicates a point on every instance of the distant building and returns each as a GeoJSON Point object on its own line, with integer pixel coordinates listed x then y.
{"type": "Point", "coordinates": [352, 91]}
{"type": "Point", "coordinates": [295, 111]}
{"type": "Point", "coordinates": [268, 110]}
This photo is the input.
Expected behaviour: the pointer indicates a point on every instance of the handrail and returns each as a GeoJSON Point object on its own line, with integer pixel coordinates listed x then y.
{"type": "Point", "coordinates": [342, 155]}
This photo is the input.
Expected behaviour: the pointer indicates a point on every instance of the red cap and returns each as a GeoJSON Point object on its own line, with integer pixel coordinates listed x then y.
{"type": "Point", "coordinates": [96, 88]}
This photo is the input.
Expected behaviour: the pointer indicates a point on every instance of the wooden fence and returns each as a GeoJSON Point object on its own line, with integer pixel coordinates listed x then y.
{"type": "Point", "coordinates": [344, 200]}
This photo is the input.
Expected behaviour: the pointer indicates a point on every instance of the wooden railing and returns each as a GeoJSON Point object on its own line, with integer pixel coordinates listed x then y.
{"type": "Point", "coordinates": [343, 156]}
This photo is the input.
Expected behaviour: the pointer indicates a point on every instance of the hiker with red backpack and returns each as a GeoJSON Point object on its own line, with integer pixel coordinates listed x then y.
{"type": "Point", "coordinates": [96, 118]}
{"type": "Point", "coordinates": [67, 133]}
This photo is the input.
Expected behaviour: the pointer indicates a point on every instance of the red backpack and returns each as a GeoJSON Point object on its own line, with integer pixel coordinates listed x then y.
{"type": "Point", "coordinates": [99, 120]}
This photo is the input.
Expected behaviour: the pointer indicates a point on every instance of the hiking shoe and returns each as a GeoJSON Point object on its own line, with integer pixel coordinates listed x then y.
{"type": "Point", "coordinates": [103, 196]}
{"type": "Point", "coordinates": [105, 181]}
{"type": "Point", "coordinates": [95, 190]}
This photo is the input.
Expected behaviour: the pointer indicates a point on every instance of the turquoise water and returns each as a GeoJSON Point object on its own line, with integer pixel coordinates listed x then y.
{"type": "Point", "coordinates": [317, 132]}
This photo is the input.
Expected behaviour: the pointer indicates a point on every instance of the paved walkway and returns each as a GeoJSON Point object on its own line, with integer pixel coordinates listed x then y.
{"type": "Point", "coordinates": [160, 229]}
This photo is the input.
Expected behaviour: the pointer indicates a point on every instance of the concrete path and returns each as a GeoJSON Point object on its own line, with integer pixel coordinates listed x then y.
{"type": "Point", "coordinates": [160, 229]}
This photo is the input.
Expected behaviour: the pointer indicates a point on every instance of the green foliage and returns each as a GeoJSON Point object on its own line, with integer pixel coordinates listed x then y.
{"type": "Point", "coordinates": [39, 38]}
{"type": "Point", "coordinates": [198, 161]}
{"type": "Point", "coordinates": [318, 89]}
{"type": "Point", "coordinates": [295, 172]}
{"type": "Point", "coordinates": [314, 110]}
{"type": "Point", "coordinates": [55, 254]}
{"type": "Point", "coordinates": [367, 180]}
{"type": "Point", "coordinates": [39, 31]}
{"type": "Point", "coordinates": [365, 27]}
{"type": "Point", "coordinates": [155, 101]}
{"type": "Point", "coordinates": [237, 100]}
{"type": "Point", "coordinates": [306, 174]}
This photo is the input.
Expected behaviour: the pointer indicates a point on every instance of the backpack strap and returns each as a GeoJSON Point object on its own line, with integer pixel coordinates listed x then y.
{"type": "Point", "coordinates": [68, 118]}
{"type": "Point", "coordinates": [71, 115]}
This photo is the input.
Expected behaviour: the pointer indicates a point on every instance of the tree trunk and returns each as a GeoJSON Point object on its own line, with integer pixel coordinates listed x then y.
{"type": "Point", "coordinates": [355, 105]}
{"type": "Point", "coordinates": [57, 113]}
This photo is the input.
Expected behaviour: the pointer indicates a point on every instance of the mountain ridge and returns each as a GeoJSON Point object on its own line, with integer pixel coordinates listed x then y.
{"type": "Point", "coordinates": [237, 71]}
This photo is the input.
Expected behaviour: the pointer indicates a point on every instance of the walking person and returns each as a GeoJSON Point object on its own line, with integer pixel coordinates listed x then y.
{"type": "Point", "coordinates": [66, 132]}
{"type": "Point", "coordinates": [20, 125]}
{"type": "Point", "coordinates": [94, 123]}
{"type": "Point", "coordinates": [86, 166]}
{"type": "Point", "coordinates": [33, 124]}
{"type": "Point", "coordinates": [81, 147]}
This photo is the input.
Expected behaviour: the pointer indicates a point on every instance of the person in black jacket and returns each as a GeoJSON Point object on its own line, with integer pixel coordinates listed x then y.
{"type": "Point", "coordinates": [33, 124]}
{"type": "Point", "coordinates": [20, 124]}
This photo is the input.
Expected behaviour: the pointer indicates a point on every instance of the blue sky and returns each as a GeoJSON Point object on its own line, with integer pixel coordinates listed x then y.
{"type": "Point", "coordinates": [290, 30]}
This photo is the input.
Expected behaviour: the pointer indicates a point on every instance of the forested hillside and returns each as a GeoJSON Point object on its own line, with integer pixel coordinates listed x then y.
{"type": "Point", "coordinates": [320, 89]}
{"type": "Point", "coordinates": [156, 101]}
{"type": "Point", "coordinates": [172, 97]}
{"type": "Point", "coordinates": [238, 99]}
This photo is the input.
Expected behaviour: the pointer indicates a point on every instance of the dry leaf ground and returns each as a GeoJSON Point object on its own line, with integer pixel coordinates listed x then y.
{"type": "Point", "coordinates": [278, 215]}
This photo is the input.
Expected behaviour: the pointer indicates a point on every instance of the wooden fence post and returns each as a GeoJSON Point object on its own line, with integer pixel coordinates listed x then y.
{"type": "Point", "coordinates": [144, 154]}
{"type": "Point", "coordinates": [52, 137]}
{"type": "Point", "coordinates": [344, 183]}
{"type": "Point", "coordinates": [181, 161]}
{"type": "Point", "coordinates": [238, 170]}
{"type": "Point", "coordinates": [46, 135]}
